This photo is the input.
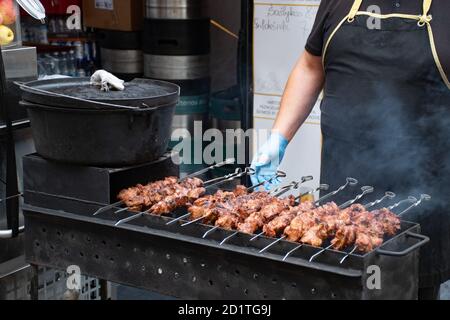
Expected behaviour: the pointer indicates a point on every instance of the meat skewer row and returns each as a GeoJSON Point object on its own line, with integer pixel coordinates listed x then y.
{"type": "Point", "coordinates": [275, 227]}
{"type": "Point", "coordinates": [142, 197]}
{"type": "Point", "coordinates": [309, 227]}
{"type": "Point", "coordinates": [231, 210]}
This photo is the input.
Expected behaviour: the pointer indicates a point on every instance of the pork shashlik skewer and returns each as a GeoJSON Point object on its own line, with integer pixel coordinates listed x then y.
{"type": "Point", "coordinates": [389, 223]}
{"type": "Point", "coordinates": [308, 228]}
{"type": "Point", "coordinates": [135, 197]}
{"type": "Point", "coordinates": [182, 197]}
{"type": "Point", "coordinates": [196, 210]}
{"type": "Point", "coordinates": [285, 218]}
{"type": "Point", "coordinates": [267, 212]}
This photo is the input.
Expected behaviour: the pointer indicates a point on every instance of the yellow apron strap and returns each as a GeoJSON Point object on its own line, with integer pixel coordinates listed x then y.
{"type": "Point", "coordinates": [425, 18]}
{"type": "Point", "coordinates": [354, 10]}
{"type": "Point", "coordinates": [426, 7]}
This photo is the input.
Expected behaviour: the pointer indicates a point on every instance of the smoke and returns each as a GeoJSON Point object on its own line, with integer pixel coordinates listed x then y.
{"type": "Point", "coordinates": [410, 155]}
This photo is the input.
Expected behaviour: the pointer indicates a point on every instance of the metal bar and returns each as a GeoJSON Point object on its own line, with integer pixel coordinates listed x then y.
{"type": "Point", "coordinates": [228, 238]}
{"type": "Point", "coordinates": [319, 253]}
{"type": "Point", "coordinates": [388, 195]}
{"type": "Point", "coordinates": [11, 197]}
{"type": "Point", "coordinates": [178, 219]}
{"type": "Point", "coordinates": [105, 208]}
{"type": "Point", "coordinates": [193, 221]}
{"type": "Point", "coordinates": [423, 197]}
{"type": "Point", "coordinates": [410, 199]}
{"type": "Point", "coordinates": [272, 244]}
{"type": "Point", "coordinates": [133, 217]}
{"type": "Point", "coordinates": [257, 236]}
{"type": "Point", "coordinates": [365, 190]}
{"type": "Point", "coordinates": [210, 231]}
{"type": "Point", "coordinates": [291, 252]}
{"type": "Point", "coordinates": [279, 174]}
{"type": "Point", "coordinates": [349, 182]}
{"type": "Point", "coordinates": [218, 165]}
{"type": "Point", "coordinates": [121, 210]}
{"type": "Point", "coordinates": [348, 254]}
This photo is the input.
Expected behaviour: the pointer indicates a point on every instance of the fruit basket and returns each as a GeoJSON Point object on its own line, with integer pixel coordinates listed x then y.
{"type": "Point", "coordinates": [10, 34]}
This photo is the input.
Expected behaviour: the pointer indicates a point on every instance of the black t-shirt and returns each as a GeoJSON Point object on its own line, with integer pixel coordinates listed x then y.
{"type": "Point", "coordinates": [331, 12]}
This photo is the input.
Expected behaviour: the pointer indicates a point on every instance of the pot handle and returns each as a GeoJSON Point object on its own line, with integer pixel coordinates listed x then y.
{"type": "Point", "coordinates": [423, 240]}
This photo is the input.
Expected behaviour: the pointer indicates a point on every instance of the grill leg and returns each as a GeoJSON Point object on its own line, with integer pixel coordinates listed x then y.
{"type": "Point", "coordinates": [34, 283]}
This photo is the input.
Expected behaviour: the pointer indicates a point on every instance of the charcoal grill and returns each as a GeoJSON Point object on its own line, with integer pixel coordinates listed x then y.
{"type": "Point", "coordinates": [148, 253]}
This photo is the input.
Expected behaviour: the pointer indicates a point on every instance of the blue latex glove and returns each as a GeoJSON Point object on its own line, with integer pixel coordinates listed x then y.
{"type": "Point", "coordinates": [268, 159]}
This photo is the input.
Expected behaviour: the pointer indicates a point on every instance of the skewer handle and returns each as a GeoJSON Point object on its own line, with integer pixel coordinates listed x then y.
{"type": "Point", "coordinates": [409, 200]}
{"type": "Point", "coordinates": [279, 174]}
{"type": "Point", "coordinates": [349, 182]}
{"type": "Point", "coordinates": [423, 197]}
{"type": "Point", "coordinates": [365, 190]}
{"type": "Point", "coordinates": [388, 195]}
{"type": "Point", "coordinates": [215, 166]}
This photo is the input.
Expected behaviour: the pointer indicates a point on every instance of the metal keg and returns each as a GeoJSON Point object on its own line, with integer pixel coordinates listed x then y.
{"type": "Point", "coordinates": [226, 109]}
{"type": "Point", "coordinates": [176, 37]}
{"type": "Point", "coordinates": [176, 67]}
{"type": "Point", "coordinates": [226, 113]}
{"type": "Point", "coordinates": [193, 106]}
{"type": "Point", "coordinates": [176, 9]}
{"type": "Point", "coordinates": [127, 62]}
{"type": "Point", "coordinates": [121, 53]}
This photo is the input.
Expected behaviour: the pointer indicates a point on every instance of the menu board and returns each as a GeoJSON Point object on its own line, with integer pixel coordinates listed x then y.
{"type": "Point", "coordinates": [281, 29]}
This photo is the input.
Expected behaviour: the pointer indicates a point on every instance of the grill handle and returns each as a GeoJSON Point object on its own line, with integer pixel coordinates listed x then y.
{"type": "Point", "coordinates": [423, 240]}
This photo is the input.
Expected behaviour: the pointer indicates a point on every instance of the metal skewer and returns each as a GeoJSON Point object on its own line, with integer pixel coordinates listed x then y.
{"type": "Point", "coordinates": [133, 217]}
{"type": "Point", "coordinates": [11, 197]}
{"type": "Point", "coordinates": [192, 175]}
{"type": "Point", "coordinates": [272, 244]}
{"type": "Point", "coordinates": [350, 182]}
{"type": "Point", "coordinates": [320, 252]}
{"type": "Point", "coordinates": [416, 202]}
{"type": "Point", "coordinates": [291, 252]}
{"type": "Point", "coordinates": [277, 193]}
{"type": "Point", "coordinates": [348, 255]}
{"type": "Point", "coordinates": [237, 174]}
{"type": "Point", "coordinates": [423, 197]}
{"type": "Point", "coordinates": [322, 187]}
{"type": "Point", "coordinates": [277, 175]}
{"type": "Point", "coordinates": [228, 238]}
{"type": "Point", "coordinates": [365, 190]}
{"type": "Point", "coordinates": [387, 195]}
{"type": "Point", "coordinates": [110, 206]}
{"type": "Point", "coordinates": [215, 166]}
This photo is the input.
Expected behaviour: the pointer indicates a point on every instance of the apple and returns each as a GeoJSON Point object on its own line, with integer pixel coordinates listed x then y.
{"type": "Point", "coordinates": [1, 19]}
{"type": "Point", "coordinates": [8, 11]}
{"type": "Point", "coordinates": [6, 35]}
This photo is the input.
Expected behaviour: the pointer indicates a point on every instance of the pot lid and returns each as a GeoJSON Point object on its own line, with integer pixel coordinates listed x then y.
{"type": "Point", "coordinates": [79, 93]}
{"type": "Point", "coordinates": [34, 8]}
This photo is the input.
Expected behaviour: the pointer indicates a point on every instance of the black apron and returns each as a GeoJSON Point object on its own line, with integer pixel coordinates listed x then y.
{"type": "Point", "coordinates": [386, 121]}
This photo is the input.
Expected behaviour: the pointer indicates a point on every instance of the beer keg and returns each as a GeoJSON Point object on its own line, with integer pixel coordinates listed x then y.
{"type": "Point", "coordinates": [121, 53]}
{"type": "Point", "coordinates": [176, 9]}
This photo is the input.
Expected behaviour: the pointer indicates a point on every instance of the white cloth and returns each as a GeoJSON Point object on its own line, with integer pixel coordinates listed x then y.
{"type": "Point", "coordinates": [107, 81]}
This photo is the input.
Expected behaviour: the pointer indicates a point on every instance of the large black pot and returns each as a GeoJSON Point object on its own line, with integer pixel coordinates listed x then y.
{"type": "Point", "coordinates": [102, 137]}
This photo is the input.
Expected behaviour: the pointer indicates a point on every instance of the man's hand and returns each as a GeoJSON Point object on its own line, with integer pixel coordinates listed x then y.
{"type": "Point", "coordinates": [268, 159]}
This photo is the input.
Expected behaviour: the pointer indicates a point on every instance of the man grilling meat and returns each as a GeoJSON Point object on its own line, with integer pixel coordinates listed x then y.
{"type": "Point", "coordinates": [385, 109]}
